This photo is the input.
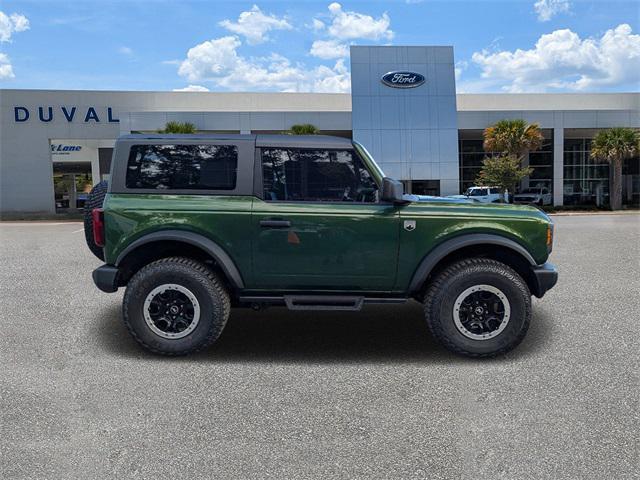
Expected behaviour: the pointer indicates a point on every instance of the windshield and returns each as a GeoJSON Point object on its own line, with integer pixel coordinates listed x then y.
{"type": "Point", "coordinates": [476, 192]}
{"type": "Point", "coordinates": [531, 190]}
{"type": "Point", "coordinates": [377, 172]}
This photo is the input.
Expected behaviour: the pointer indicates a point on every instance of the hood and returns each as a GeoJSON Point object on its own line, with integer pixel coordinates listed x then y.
{"type": "Point", "coordinates": [452, 206]}
{"type": "Point", "coordinates": [429, 198]}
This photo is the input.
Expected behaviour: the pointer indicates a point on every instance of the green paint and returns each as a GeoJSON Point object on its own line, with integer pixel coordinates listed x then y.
{"type": "Point", "coordinates": [329, 246]}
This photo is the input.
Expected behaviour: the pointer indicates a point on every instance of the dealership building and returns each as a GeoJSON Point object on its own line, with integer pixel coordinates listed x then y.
{"type": "Point", "coordinates": [54, 144]}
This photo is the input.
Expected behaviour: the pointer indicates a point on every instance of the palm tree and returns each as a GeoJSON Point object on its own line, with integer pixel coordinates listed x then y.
{"type": "Point", "coordinates": [614, 146]}
{"type": "Point", "coordinates": [303, 129]}
{"type": "Point", "coordinates": [178, 127]}
{"type": "Point", "coordinates": [514, 138]}
{"type": "Point", "coordinates": [511, 140]}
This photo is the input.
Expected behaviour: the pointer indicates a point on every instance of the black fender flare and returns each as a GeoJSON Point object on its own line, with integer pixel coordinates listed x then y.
{"type": "Point", "coordinates": [206, 244]}
{"type": "Point", "coordinates": [438, 253]}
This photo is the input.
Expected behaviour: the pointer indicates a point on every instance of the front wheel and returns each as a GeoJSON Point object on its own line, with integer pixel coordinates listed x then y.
{"type": "Point", "coordinates": [175, 306]}
{"type": "Point", "coordinates": [478, 307]}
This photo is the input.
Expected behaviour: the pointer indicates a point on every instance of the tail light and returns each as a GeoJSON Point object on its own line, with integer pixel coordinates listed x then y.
{"type": "Point", "coordinates": [97, 215]}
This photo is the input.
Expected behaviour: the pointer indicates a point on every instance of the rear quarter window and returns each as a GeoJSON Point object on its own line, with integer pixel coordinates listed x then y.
{"type": "Point", "coordinates": [182, 167]}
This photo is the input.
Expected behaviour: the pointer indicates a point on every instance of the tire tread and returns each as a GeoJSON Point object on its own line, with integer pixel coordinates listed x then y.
{"type": "Point", "coordinates": [437, 287]}
{"type": "Point", "coordinates": [215, 287]}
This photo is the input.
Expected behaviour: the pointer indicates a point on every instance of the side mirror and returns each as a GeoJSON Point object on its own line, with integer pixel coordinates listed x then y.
{"type": "Point", "coordinates": [393, 191]}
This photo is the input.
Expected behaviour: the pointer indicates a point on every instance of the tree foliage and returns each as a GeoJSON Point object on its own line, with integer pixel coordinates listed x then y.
{"type": "Point", "coordinates": [303, 129]}
{"type": "Point", "coordinates": [614, 146]}
{"type": "Point", "coordinates": [178, 127]}
{"type": "Point", "coordinates": [513, 138]}
{"type": "Point", "coordinates": [503, 171]}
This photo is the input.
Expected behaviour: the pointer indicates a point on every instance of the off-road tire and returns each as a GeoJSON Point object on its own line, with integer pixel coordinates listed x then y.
{"type": "Point", "coordinates": [94, 200]}
{"type": "Point", "coordinates": [456, 278]}
{"type": "Point", "coordinates": [212, 297]}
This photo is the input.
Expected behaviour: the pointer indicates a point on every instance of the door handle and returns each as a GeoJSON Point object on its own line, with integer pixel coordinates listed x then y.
{"type": "Point", "coordinates": [275, 223]}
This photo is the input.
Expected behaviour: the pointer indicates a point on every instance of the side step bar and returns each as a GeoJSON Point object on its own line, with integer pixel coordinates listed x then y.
{"type": "Point", "coordinates": [319, 302]}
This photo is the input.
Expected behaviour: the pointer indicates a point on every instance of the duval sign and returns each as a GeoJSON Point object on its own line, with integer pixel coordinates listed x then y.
{"type": "Point", "coordinates": [403, 79]}
{"type": "Point", "coordinates": [47, 114]}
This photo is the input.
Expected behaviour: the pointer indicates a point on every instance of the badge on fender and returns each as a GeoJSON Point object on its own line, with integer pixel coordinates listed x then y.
{"type": "Point", "coordinates": [409, 225]}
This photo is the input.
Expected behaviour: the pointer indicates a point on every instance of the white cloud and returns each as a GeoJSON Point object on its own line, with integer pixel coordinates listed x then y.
{"type": "Point", "coordinates": [6, 70]}
{"type": "Point", "coordinates": [327, 49]}
{"type": "Point", "coordinates": [347, 25]}
{"type": "Point", "coordinates": [547, 9]}
{"type": "Point", "coordinates": [460, 67]}
{"type": "Point", "coordinates": [218, 61]}
{"type": "Point", "coordinates": [10, 24]}
{"type": "Point", "coordinates": [317, 25]}
{"type": "Point", "coordinates": [254, 25]}
{"type": "Point", "coordinates": [210, 59]}
{"type": "Point", "coordinates": [192, 88]}
{"type": "Point", "coordinates": [125, 51]}
{"type": "Point", "coordinates": [562, 60]}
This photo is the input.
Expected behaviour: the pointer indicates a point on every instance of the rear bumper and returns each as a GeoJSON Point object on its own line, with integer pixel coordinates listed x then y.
{"type": "Point", "coordinates": [106, 278]}
{"type": "Point", "coordinates": [546, 277]}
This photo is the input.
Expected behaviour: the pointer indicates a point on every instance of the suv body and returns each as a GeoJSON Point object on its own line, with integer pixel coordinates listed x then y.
{"type": "Point", "coordinates": [481, 194]}
{"type": "Point", "coordinates": [534, 195]}
{"type": "Point", "coordinates": [309, 222]}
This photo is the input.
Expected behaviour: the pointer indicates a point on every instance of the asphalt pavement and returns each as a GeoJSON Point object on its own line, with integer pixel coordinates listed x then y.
{"type": "Point", "coordinates": [319, 395]}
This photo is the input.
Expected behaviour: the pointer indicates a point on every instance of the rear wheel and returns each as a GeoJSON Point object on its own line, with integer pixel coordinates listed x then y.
{"type": "Point", "coordinates": [94, 200]}
{"type": "Point", "coordinates": [478, 307]}
{"type": "Point", "coordinates": [175, 306]}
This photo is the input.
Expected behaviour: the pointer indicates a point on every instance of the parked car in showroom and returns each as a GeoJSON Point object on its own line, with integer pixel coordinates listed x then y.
{"type": "Point", "coordinates": [534, 196]}
{"type": "Point", "coordinates": [481, 194]}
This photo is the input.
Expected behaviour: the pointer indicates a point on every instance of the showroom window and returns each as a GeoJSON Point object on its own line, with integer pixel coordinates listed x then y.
{"type": "Point", "coordinates": [316, 176]}
{"type": "Point", "coordinates": [542, 163]}
{"type": "Point", "coordinates": [182, 167]}
{"type": "Point", "coordinates": [586, 181]}
{"type": "Point", "coordinates": [472, 154]}
{"type": "Point", "coordinates": [425, 187]}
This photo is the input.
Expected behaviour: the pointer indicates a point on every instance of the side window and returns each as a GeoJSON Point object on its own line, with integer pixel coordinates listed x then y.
{"type": "Point", "coordinates": [316, 176]}
{"type": "Point", "coordinates": [182, 167]}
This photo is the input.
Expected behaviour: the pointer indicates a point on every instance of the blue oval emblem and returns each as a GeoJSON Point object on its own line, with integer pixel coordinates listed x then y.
{"type": "Point", "coordinates": [403, 79]}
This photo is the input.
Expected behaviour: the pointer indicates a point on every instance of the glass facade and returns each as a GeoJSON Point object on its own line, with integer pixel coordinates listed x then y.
{"type": "Point", "coordinates": [542, 163]}
{"type": "Point", "coordinates": [425, 187]}
{"type": "Point", "coordinates": [472, 154]}
{"type": "Point", "coordinates": [586, 181]}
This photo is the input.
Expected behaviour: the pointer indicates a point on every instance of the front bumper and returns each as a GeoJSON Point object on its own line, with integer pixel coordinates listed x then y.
{"type": "Point", "coordinates": [546, 277]}
{"type": "Point", "coordinates": [106, 278]}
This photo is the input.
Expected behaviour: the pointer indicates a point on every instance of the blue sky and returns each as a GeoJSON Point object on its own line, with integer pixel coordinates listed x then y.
{"type": "Point", "coordinates": [506, 46]}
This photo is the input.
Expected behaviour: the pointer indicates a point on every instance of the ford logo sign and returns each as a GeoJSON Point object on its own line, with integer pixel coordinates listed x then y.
{"type": "Point", "coordinates": [403, 79]}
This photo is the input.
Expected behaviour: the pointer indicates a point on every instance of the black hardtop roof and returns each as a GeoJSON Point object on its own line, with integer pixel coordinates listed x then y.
{"type": "Point", "coordinates": [262, 140]}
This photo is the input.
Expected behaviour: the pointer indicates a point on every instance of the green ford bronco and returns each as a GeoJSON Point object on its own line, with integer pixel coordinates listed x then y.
{"type": "Point", "coordinates": [193, 225]}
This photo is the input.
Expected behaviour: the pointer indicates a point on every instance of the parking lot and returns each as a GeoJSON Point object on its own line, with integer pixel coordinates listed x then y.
{"type": "Point", "coordinates": [319, 395]}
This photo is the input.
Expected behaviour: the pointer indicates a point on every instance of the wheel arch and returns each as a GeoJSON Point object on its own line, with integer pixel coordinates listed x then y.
{"type": "Point", "coordinates": [493, 246]}
{"type": "Point", "coordinates": [165, 243]}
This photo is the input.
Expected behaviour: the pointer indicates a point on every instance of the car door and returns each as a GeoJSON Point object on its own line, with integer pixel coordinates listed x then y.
{"type": "Point", "coordinates": [317, 223]}
{"type": "Point", "coordinates": [484, 195]}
